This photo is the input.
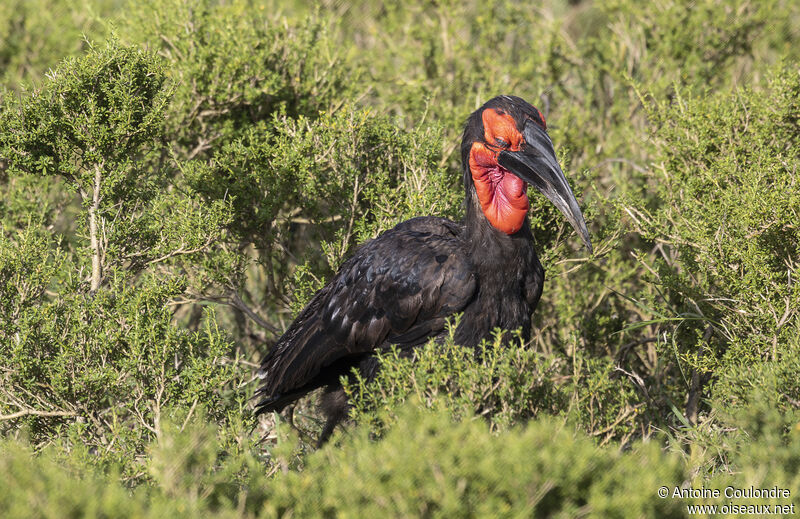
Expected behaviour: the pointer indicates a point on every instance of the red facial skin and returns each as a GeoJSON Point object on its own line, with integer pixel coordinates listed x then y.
{"type": "Point", "coordinates": [503, 195]}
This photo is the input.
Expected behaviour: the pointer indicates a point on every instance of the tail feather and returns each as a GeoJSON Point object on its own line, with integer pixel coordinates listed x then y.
{"type": "Point", "coordinates": [274, 400]}
{"type": "Point", "coordinates": [279, 401]}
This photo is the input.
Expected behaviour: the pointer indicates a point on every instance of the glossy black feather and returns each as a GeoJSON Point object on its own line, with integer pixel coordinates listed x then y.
{"type": "Point", "coordinates": [396, 289]}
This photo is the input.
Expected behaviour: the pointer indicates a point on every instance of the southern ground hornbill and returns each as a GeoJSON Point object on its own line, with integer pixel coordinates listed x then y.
{"type": "Point", "coordinates": [400, 288]}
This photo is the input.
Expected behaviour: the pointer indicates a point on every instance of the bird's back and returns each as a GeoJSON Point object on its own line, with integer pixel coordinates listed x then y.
{"type": "Point", "coordinates": [398, 288]}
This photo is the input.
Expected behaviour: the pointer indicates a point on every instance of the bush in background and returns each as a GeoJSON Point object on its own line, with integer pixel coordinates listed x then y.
{"type": "Point", "coordinates": [175, 194]}
{"type": "Point", "coordinates": [726, 178]}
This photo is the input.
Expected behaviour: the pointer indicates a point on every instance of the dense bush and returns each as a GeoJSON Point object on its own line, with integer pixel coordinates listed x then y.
{"type": "Point", "coordinates": [503, 382]}
{"type": "Point", "coordinates": [91, 354]}
{"type": "Point", "coordinates": [181, 179]}
{"type": "Point", "coordinates": [37, 34]}
{"type": "Point", "coordinates": [726, 178]}
{"type": "Point", "coordinates": [234, 68]}
{"type": "Point", "coordinates": [427, 464]}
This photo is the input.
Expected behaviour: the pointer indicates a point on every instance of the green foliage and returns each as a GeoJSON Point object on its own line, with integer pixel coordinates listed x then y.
{"type": "Point", "coordinates": [427, 464]}
{"type": "Point", "coordinates": [37, 34]}
{"type": "Point", "coordinates": [727, 210]}
{"type": "Point", "coordinates": [100, 371]}
{"type": "Point", "coordinates": [27, 266]}
{"type": "Point", "coordinates": [234, 67]}
{"type": "Point", "coordinates": [448, 470]}
{"type": "Point", "coordinates": [503, 382]}
{"type": "Point", "coordinates": [91, 122]}
{"type": "Point", "coordinates": [431, 466]}
{"type": "Point", "coordinates": [772, 441]}
{"type": "Point", "coordinates": [93, 364]}
{"type": "Point", "coordinates": [173, 196]}
{"type": "Point", "coordinates": [679, 41]}
{"type": "Point", "coordinates": [96, 111]}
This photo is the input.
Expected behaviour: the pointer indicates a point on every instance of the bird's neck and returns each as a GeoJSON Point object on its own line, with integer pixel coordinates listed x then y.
{"type": "Point", "coordinates": [509, 274]}
{"type": "Point", "coordinates": [492, 246]}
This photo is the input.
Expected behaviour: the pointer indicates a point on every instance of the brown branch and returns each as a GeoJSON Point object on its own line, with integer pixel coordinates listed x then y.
{"type": "Point", "coordinates": [202, 146]}
{"type": "Point", "coordinates": [698, 381]}
{"type": "Point", "coordinates": [795, 403]}
{"type": "Point", "coordinates": [626, 413]}
{"type": "Point", "coordinates": [237, 302]}
{"type": "Point", "coordinates": [636, 379]}
{"type": "Point", "coordinates": [34, 412]}
{"type": "Point", "coordinates": [95, 243]}
{"type": "Point", "coordinates": [181, 251]}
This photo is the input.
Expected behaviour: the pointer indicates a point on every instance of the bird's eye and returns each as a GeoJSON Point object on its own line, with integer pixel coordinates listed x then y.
{"type": "Point", "coordinates": [500, 142]}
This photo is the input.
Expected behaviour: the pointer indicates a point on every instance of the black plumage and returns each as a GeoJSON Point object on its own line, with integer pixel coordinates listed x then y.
{"type": "Point", "coordinates": [400, 288]}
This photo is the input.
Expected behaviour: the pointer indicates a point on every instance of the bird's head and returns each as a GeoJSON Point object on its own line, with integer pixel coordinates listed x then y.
{"type": "Point", "coordinates": [506, 148]}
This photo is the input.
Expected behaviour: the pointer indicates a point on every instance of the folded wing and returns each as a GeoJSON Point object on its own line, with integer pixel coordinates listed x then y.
{"type": "Point", "coordinates": [397, 289]}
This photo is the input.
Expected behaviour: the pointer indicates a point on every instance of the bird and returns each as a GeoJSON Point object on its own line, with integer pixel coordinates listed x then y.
{"type": "Point", "coordinates": [400, 288]}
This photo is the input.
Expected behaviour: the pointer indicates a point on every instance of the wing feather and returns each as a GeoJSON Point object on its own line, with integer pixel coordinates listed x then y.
{"type": "Point", "coordinates": [398, 288]}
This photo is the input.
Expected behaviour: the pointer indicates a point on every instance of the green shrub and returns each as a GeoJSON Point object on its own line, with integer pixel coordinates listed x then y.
{"type": "Point", "coordinates": [503, 382]}
{"type": "Point", "coordinates": [726, 218]}
{"type": "Point", "coordinates": [90, 123]}
{"type": "Point", "coordinates": [92, 358]}
{"type": "Point", "coordinates": [245, 147]}
{"type": "Point", "coordinates": [429, 465]}
{"type": "Point", "coordinates": [426, 464]}
{"type": "Point", "coordinates": [234, 66]}
{"type": "Point", "coordinates": [100, 371]}
{"type": "Point", "coordinates": [36, 34]}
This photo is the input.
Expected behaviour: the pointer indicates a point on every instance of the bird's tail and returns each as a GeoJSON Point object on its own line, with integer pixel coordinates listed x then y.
{"type": "Point", "coordinates": [278, 402]}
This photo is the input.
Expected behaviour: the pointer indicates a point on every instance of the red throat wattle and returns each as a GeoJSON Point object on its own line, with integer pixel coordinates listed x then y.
{"type": "Point", "coordinates": [503, 195]}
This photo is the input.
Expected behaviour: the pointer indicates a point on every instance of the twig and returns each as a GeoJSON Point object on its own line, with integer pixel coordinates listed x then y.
{"type": "Point", "coordinates": [698, 381]}
{"type": "Point", "coordinates": [237, 302]}
{"type": "Point", "coordinates": [34, 412]}
{"type": "Point", "coordinates": [630, 163]}
{"type": "Point", "coordinates": [635, 378]}
{"type": "Point", "coordinates": [793, 401]}
{"type": "Point", "coordinates": [624, 415]}
{"type": "Point", "coordinates": [181, 251]}
{"type": "Point", "coordinates": [188, 416]}
{"type": "Point", "coordinates": [97, 266]}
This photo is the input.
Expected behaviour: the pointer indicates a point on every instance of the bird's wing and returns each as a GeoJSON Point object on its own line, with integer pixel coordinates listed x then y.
{"type": "Point", "coordinates": [398, 288]}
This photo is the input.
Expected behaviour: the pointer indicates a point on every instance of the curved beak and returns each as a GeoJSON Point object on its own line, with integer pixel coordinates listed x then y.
{"type": "Point", "coordinates": [537, 165]}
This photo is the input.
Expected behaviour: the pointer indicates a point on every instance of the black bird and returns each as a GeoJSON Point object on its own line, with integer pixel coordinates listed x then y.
{"type": "Point", "coordinates": [400, 288]}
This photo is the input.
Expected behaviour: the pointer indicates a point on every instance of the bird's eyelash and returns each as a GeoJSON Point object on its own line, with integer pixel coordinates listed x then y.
{"type": "Point", "coordinates": [495, 146]}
